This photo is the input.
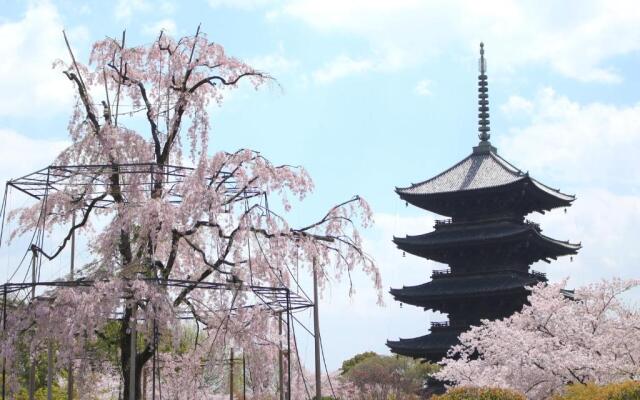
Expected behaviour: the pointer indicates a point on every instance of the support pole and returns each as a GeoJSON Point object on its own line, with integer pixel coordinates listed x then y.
{"type": "Point", "coordinates": [132, 353]}
{"type": "Point", "coordinates": [316, 331]}
{"type": "Point", "coordinates": [231, 375]}
{"type": "Point", "coordinates": [244, 377]}
{"type": "Point", "coordinates": [50, 370]}
{"type": "Point", "coordinates": [155, 353]}
{"type": "Point", "coordinates": [4, 327]}
{"type": "Point", "coordinates": [71, 278]}
{"type": "Point", "coordinates": [32, 362]}
{"type": "Point", "coordinates": [288, 344]}
{"type": "Point", "coordinates": [280, 361]}
{"type": "Point", "coordinates": [144, 383]}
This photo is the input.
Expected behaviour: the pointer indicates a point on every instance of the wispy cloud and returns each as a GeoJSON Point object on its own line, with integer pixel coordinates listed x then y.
{"type": "Point", "coordinates": [241, 4]}
{"type": "Point", "coordinates": [423, 88]}
{"type": "Point", "coordinates": [587, 149]}
{"type": "Point", "coordinates": [341, 67]}
{"type": "Point", "coordinates": [166, 25]}
{"type": "Point", "coordinates": [517, 33]}
{"type": "Point", "coordinates": [29, 85]}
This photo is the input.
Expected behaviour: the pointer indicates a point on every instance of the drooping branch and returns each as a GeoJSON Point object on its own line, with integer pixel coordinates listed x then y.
{"type": "Point", "coordinates": [216, 78]}
{"type": "Point", "coordinates": [75, 227]}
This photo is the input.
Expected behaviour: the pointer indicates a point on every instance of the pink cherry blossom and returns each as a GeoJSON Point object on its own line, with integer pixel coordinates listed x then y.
{"type": "Point", "coordinates": [148, 217]}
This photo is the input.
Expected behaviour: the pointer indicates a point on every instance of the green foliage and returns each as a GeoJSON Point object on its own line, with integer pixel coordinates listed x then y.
{"type": "Point", "coordinates": [480, 393]}
{"type": "Point", "coordinates": [57, 392]}
{"type": "Point", "coordinates": [629, 390]}
{"type": "Point", "coordinates": [388, 377]}
{"type": "Point", "coordinates": [350, 363]}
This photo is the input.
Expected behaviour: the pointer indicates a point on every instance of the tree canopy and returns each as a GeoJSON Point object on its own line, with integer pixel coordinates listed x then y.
{"type": "Point", "coordinates": [156, 205]}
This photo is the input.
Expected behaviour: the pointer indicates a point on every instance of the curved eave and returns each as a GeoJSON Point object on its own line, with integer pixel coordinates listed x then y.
{"type": "Point", "coordinates": [431, 346]}
{"type": "Point", "coordinates": [549, 198]}
{"type": "Point", "coordinates": [421, 245]}
{"type": "Point", "coordinates": [453, 287]}
{"type": "Point", "coordinates": [553, 192]}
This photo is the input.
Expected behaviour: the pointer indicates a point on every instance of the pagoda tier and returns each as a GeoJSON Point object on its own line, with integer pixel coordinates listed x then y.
{"type": "Point", "coordinates": [498, 243]}
{"type": "Point", "coordinates": [483, 184]}
{"type": "Point", "coordinates": [487, 243]}
{"type": "Point", "coordinates": [433, 346]}
{"type": "Point", "coordinates": [446, 289]}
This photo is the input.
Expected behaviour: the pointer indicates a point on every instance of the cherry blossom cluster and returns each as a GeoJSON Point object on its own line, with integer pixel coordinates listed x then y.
{"type": "Point", "coordinates": [560, 338]}
{"type": "Point", "coordinates": [184, 213]}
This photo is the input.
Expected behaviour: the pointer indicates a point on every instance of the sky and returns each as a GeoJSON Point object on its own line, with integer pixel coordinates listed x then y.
{"type": "Point", "coordinates": [374, 94]}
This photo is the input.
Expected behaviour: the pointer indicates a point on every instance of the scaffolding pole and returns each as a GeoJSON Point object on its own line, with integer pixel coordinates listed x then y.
{"type": "Point", "coordinates": [32, 361]}
{"type": "Point", "coordinates": [231, 374]}
{"type": "Point", "coordinates": [316, 331]}
{"type": "Point", "coordinates": [71, 278]}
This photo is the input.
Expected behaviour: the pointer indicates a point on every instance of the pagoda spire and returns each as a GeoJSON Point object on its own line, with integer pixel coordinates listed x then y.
{"type": "Point", "coordinates": [483, 98]}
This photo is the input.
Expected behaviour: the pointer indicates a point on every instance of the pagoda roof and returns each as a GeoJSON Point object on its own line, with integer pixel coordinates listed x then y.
{"type": "Point", "coordinates": [453, 286]}
{"type": "Point", "coordinates": [483, 169]}
{"type": "Point", "coordinates": [480, 234]}
{"type": "Point", "coordinates": [432, 346]}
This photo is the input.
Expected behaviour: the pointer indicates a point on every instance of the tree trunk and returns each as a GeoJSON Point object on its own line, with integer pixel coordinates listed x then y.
{"type": "Point", "coordinates": [125, 357]}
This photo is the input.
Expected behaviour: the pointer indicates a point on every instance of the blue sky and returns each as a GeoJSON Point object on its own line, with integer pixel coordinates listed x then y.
{"type": "Point", "coordinates": [376, 94]}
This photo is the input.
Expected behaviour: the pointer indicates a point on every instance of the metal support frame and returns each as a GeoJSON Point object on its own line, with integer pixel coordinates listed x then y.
{"type": "Point", "coordinates": [56, 178]}
{"type": "Point", "coordinates": [141, 178]}
{"type": "Point", "coordinates": [278, 299]}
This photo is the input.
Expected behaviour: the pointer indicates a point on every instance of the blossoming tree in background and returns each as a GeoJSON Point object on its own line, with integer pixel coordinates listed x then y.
{"type": "Point", "coordinates": [592, 336]}
{"type": "Point", "coordinates": [211, 223]}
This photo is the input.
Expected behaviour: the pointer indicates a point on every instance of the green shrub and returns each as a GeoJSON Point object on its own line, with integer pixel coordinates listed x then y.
{"type": "Point", "coordinates": [629, 390]}
{"type": "Point", "coordinates": [480, 393]}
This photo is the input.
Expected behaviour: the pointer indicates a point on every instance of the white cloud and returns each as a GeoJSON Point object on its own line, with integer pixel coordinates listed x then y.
{"type": "Point", "coordinates": [606, 225]}
{"type": "Point", "coordinates": [588, 144]}
{"type": "Point", "coordinates": [516, 106]}
{"type": "Point", "coordinates": [423, 88]}
{"type": "Point", "coordinates": [274, 63]}
{"type": "Point", "coordinates": [241, 4]}
{"type": "Point", "coordinates": [20, 155]}
{"type": "Point", "coordinates": [125, 9]}
{"type": "Point", "coordinates": [575, 43]}
{"type": "Point", "coordinates": [29, 86]}
{"type": "Point", "coordinates": [341, 67]}
{"type": "Point", "coordinates": [167, 25]}
{"type": "Point", "coordinates": [590, 150]}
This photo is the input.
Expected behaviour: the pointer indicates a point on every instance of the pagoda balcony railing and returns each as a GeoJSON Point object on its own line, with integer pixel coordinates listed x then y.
{"type": "Point", "coordinates": [439, 273]}
{"type": "Point", "coordinates": [447, 221]}
{"type": "Point", "coordinates": [538, 274]}
{"type": "Point", "coordinates": [457, 325]}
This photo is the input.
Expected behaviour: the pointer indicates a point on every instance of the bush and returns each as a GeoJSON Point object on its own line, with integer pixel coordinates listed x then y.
{"type": "Point", "coordinates": [629, 390]}
{"type": "Point", "coordinates": [372, 376]}
{"type": "Point", "coordinates": [480, 393]}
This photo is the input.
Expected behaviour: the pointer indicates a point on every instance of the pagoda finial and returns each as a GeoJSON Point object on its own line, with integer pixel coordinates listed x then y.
{"type": "Point", "coordinates": [483, 98]}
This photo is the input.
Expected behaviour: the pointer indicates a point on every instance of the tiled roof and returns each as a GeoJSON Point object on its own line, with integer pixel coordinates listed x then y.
{"type": "Point", "coordinates": [480, 170]}
{"type": "Point", "coordinates": [464, 285]}
{"type": "Point", "coordinates": [477, 171]}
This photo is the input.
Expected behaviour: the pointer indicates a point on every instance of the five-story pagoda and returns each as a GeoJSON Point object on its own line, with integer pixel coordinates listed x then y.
{"type": "Point", "coordinates": [487, 242]}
